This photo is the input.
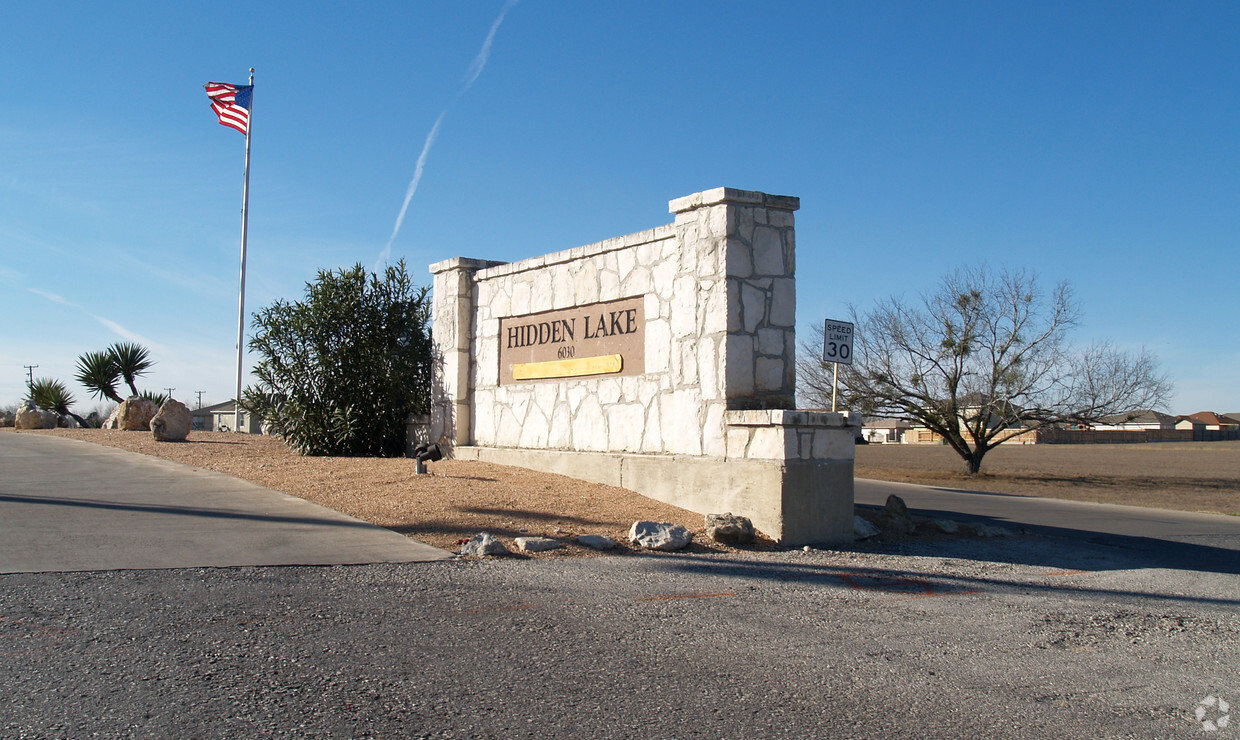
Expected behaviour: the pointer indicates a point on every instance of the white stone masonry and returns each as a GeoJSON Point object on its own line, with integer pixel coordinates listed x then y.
{"type": "Point", "coordinates": [720, 307]}
{"type": "Point", "coordinates": [708, 421]}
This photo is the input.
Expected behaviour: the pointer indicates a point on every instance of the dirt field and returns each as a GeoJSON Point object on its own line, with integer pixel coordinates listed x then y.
{"type": "Point", "coordinates": [1189, 476]}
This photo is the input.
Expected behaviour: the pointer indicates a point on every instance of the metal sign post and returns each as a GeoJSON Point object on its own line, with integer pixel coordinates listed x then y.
{"type": "Point", "coordinates": [837, 348]}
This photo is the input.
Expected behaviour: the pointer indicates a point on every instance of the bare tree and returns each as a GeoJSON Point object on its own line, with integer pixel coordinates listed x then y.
{"type": "Point", "coordinates": [981, 359]}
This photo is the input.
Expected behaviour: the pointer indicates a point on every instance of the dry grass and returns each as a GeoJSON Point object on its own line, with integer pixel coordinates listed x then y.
{"type": "Point", "coordinates": [1188, 476]}
{"type": "Point", "coordinates": [457, 500]}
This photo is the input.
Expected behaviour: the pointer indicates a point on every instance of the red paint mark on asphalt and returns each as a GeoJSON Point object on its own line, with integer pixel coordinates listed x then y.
{"type": "Point", "coordinates": [687, 596]}
{"type": "Point", "coordinates": [890, 584]}
{"type": "Point", "coordinates": [934, 595]}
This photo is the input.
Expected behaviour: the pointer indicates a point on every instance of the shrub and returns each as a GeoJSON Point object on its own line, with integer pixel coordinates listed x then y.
{"type": "Point", "coordinates": [341, 370]}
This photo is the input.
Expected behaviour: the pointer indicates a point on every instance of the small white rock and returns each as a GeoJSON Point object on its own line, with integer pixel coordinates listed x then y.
{"type": "Point", "coordinates": [660, 535]}
{"type": "Point", "coordinates": [597, 541]}
{"type": "Point", "coordinates": [536, 544]}
{"type": "Point", "coordinates": [483, 544]}
{"type": "Point", "coordinates": [863, 529]}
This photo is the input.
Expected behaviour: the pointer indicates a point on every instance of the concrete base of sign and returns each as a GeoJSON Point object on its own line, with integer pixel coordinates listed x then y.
{"type": "Point", "coordinates": [795, 502]}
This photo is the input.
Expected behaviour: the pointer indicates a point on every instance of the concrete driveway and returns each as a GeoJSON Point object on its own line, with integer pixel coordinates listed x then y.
{"type": "Point", "coordinates": [67, 505]}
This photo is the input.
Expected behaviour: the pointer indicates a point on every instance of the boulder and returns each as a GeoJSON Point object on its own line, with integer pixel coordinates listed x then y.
{"type": "Point", "coordinates": [597, 541]}
{"type": "Point", "coordinates": [483, 544]}
{"type": "Point", "coordinates": [659, 536]}
{"type": "Point", "coordinates": [536, 544]}
{"type": "Point", "coordinates": [894, 518]}
{"type": "Point", "coordinates": [134, 414]}
{"type": "Point", "coordinates": [172, 422]}
{"type": "Point", "coordinates": [29, 417]}
{"type": "Point", "coordinates": [863, 529]}
{"type": "Point", "coordinates": [946, 526]}
{"type": "Point", "coordinates": [7, 419]}
{"type": "Point", "coordinates": [729, 529]}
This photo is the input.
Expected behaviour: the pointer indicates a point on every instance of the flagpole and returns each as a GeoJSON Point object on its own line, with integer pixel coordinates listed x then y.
{"type": "Point", "coordinates": [245, 222]}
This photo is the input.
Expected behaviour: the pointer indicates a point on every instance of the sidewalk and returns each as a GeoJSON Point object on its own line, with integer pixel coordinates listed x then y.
{"type": "Point", "coordinates": [72, 506]}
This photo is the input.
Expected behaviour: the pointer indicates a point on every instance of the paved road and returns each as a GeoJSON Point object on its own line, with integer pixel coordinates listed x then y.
{"type": "Point", "coordinates": [67, 506]}
{"type": "Point", "coordinates": [1166, 538]}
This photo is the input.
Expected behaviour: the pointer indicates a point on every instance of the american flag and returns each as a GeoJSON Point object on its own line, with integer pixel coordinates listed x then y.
{"type": "Point", "coordinates": [231, 103]}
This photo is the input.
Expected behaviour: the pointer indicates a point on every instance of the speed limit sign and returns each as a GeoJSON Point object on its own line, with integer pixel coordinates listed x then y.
{"type": "Point", "coordinates": [837, 342]}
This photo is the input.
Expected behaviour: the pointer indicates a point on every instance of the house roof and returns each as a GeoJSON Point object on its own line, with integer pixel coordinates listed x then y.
{"type": "Point", "coordinates": [1209, 417]}
{"type": "Point", "coordinates": [879, 423]}
{"type": "Point", "coordinates": [215, 408]}
{"type": "Point", "coordinates": [1141, 416]}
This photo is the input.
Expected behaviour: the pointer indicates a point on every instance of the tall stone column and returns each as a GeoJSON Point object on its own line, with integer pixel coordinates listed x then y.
{"type": "Point", "coordinates": [740, 246]}
{"type": "Point", "coordinates": [452, 315]}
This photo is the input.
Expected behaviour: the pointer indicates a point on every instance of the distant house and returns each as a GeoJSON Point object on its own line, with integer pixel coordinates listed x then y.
{"type": "Point", "coordinates": [1188, 423]}
{"type": "Point", "coordinates": [1215, 422]}
{"type": "Point", "coordinates": [972, 406]}
{"type": "Point", "coordinates": [220, 417]}
{"type": "Point", "coordinates": [1137, 420]}
{"type": "Point", "coordinates": [885, 431]}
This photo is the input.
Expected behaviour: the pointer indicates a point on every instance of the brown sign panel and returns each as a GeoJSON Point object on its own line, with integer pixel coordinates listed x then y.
{"type": "Point", "coordinates": [597, 340]}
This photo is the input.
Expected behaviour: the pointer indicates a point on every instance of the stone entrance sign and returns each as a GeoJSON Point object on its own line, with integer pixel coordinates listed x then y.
{"type": "Point", "coordinates": [663, 362]}
{"type": "Point", "coordinates": [601, 339]}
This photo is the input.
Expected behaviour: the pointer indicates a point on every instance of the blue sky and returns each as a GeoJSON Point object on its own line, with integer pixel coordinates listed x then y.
{"type": "Point", "coordinates": [1097, 142]}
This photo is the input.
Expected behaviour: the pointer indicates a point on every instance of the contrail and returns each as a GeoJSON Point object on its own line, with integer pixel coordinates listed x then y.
{"type": "Point", "coordinates": [475, 69]}
{"type": "Point", "coordinates": [115, 327]}
{"type": "Point", "coordinates": [131, 336]}
{"type": "Point", "coordinates": [413, 186]}
{"type": "Point", "coordinates": [54, 297]}
{"type": "Point", "coordinates": [480, 61]}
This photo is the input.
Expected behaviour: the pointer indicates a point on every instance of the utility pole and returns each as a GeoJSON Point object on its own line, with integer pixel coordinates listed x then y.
{"type": "Point", "coordinates": [170, 390]}
{"type": "Point", "coordinates": [199, 398]}
{"type": "Point", "coordinates": [30, 372]}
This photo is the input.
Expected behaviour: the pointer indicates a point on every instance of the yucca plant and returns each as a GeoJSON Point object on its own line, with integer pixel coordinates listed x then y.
{"type": "Point", "coordinates": [132, 360]}
{"type": "Point", "coordinates": [53, 395]}
{"type": "Point", "coordinates": [102, 372]}
{"type": "Point", "coordinates": [155, 398]}
{"type": "Point", "coordinates": [98, 372]}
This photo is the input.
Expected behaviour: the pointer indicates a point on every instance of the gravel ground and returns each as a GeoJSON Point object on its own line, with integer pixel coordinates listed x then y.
{"type": "Point", "coordinates": [942, 640]}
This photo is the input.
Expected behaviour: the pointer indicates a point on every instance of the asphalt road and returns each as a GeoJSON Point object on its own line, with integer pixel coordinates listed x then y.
{"type": "Point", "coordinates": [1039, 635]}
{"type": "Point", "coordinates": [1160, 537]}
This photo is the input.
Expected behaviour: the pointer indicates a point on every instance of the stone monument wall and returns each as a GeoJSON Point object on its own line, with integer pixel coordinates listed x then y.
{"type": "Point", "coordinates": [673, 344]}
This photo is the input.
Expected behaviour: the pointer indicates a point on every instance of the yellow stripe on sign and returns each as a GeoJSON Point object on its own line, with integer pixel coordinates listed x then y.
{"type": "Point", "coordinates": [600, 365]}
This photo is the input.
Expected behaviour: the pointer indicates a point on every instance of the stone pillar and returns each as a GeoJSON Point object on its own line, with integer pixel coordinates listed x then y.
{"type": "Point", "coordinates": [740, 245]}
{"type": "Point", "coordinates": [452, 329]}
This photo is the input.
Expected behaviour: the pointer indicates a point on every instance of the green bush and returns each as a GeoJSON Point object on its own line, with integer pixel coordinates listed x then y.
{"type": "Point", "coordinates": [341, 370]}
